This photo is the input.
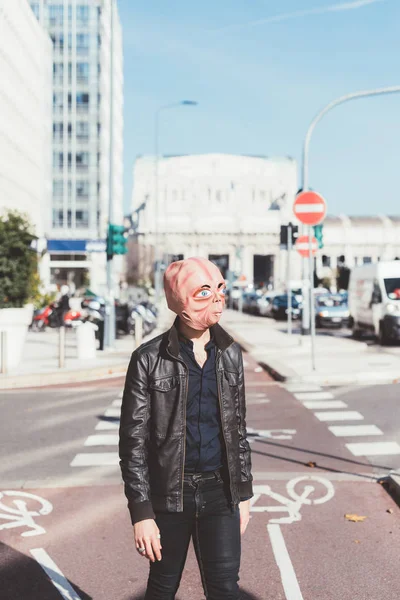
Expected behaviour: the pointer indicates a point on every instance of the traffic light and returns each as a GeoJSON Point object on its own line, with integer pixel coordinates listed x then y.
{"type": "Point", "coordinates": [116, 240]}
{"type": "Point", "coordinates": [319, 235]}
{"type": "Point", "coordinates": [284, 235]}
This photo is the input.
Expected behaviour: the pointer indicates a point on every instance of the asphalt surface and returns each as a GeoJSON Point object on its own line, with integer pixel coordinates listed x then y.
{"type": "Point", "coordinates": [73, 529]}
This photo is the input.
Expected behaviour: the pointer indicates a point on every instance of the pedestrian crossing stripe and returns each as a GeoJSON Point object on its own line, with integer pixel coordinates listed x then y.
{"type": "Point", "coordinates": [354, 430]}
{"type": "Point", "coordinates": [374, 448]}
{"type": "Point", "coordinates": [339, 415]}
{"type": "Point", "coordinates": [107, 439]}
{"type": "Point", "coordinates": [325, 404]}
{"type": "Point", "coordinates": [101, 459]}
{"type": "Point", "coordinates": [107, 425]}
{"type": "Point", "coordinates": [314, 396]}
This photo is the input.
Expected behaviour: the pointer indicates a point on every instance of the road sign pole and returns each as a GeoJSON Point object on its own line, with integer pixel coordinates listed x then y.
{"type": "Point", "coordinates": [288, 274]}
{"type": "Point", "coordinates": [312, 307]}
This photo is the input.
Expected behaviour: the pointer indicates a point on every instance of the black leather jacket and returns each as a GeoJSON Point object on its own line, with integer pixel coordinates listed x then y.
{"type": "Point", "coordinates": [153, 424]}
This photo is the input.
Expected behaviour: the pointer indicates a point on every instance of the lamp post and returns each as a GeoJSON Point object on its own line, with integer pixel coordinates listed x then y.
{"type": "Point", "coordinates": [308, 318]}
{"type": "Point", "coordinates": [157, 254]}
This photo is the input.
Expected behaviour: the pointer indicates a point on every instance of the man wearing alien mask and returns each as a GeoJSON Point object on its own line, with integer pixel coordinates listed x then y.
{"type": "Point", "coordinates": [185, 458]}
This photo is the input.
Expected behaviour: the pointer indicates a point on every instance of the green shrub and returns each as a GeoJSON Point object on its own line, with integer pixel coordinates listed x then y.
{"type": "Point", "coordinates": [18, 262]}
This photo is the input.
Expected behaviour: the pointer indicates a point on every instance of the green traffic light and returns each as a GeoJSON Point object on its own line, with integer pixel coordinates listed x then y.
{"type": "Point", "coordinates": [116, 240]}
{"type": "Point", "coordinates": [319, 235]}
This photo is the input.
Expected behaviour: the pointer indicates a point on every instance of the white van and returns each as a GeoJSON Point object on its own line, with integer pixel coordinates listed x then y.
{"type": "Point", "coordinates": [374, 300]}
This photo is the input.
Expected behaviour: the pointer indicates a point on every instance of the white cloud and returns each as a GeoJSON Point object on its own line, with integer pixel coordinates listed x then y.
{"type": "Point", "coordinates": [299, 13]}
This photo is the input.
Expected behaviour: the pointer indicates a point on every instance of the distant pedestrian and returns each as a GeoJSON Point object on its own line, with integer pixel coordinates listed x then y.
{"type": "Point", "coordinates": [185, 458]}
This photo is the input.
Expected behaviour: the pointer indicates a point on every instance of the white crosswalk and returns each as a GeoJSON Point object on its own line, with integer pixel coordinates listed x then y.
{"type": "Point", "coordinates": [314, 398]}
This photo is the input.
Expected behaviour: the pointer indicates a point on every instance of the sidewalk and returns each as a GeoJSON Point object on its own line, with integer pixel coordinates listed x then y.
{"type": "Point", "coordinates": [339, 360]}
{"type": "Point", "coordinates": [39, 364]}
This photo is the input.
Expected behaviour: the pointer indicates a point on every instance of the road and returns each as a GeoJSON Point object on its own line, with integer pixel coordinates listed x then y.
{"type": "Point", "coordinates": [73, 538]}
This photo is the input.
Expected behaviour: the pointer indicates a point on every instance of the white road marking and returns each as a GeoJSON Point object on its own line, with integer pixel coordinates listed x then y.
{"type": "Point", "coordinates": [314, 396]}
{"type": "Point", "coordinates": [354, 430]}
{"type": "Point", "coordinates": [253, 395]}
{"type": "Point", "coordinates": [325, 404]}
{"type": "Point", "coordinates": [374, 448]}
{"type": "Point", "coordinates": [112, 412]}
{"type": "Point", "coordinates": [258, 370]}
{"type": "Point", "coordinates": [16, 513]}
{"type": "Point", "coordinates": [117, 402]}
{"type": "Point", "coordinates": [104, 425]}
{"type": "Point", "coordinates": [288, 576]}
{"type": "Point", "coordinates": [102, 440]}
{"type": "Point", "coordinates": [273, 434]}
{"type": "Point", "coordinates": [302, 387]}
{"type": "Point", "coordinates": [105, 459]}
{"type": "Point", "coordinates": [55, 575]}
{"type": "Point", "coordinates": [339, 415]}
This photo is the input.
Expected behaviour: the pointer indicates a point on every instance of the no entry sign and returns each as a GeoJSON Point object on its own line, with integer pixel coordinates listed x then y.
{"type": "Point", "coordinates": [309, 208]}
{"type": "Point", "coordinates": [303, 246]}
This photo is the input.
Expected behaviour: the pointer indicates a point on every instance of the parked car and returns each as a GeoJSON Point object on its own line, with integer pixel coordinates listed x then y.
{"type": "Point", "coordinates": [331, 311]}
{"type": "Point", "coordinates": [265, 304]}
{"type": "Point", "coordinates": [250, 301]}
{"type": "Point", "coordinates": [279, 308]}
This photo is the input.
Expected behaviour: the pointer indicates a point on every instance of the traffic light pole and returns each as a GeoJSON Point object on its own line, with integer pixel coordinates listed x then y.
{"type": "Point", "coordinates": [289, 275]}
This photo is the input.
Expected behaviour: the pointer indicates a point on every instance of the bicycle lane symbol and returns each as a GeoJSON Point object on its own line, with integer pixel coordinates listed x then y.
{"type": "Point", "coordinates": [14, 511]}
{"type": "Point", "coordinates": [301, 491]}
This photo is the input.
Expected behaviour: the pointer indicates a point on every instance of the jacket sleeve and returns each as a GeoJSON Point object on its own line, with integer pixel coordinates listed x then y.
{"type": "Point", "coordinates": [133, 436]}
{"type": "Point", "coordinates": [246, 486]}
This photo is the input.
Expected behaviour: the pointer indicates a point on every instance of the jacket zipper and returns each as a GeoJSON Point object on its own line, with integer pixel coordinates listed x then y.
{"type": "Point", "coordinates": [184, 423]}
{"type": "Point", "coordinates": [222, 426]}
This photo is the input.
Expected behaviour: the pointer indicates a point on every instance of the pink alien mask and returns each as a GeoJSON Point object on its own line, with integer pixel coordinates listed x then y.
{"type": "Point", "coordinates": [195, 290]}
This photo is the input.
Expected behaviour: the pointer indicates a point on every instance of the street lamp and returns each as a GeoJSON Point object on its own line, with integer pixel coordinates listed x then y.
{"type": "Point", "coordinates": [157, 257]}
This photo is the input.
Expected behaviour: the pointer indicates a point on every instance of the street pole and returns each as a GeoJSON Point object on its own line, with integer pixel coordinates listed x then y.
{"type": "Point", "coordinates": [312, 307]}
{"type": "Point", "coordinates": [157, 253]}
{"type": "Point", "coordinates": [310, 319]}
{"type": "Point", "coordinates": [288, 276]}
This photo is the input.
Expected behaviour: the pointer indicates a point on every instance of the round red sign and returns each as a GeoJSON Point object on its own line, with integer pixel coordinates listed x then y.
{"type": "Point", "coordinates": [309, 208]}
{"type": "Point", "coordinates": [303, 247]}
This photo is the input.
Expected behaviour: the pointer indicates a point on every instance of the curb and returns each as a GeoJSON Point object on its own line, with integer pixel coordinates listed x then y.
{"type": "Point", "coordinates": [282, 373]}
{"type": "Point", "coordinates": [37, 380]}
{"type": "Point", "coordinates": [392, 485]}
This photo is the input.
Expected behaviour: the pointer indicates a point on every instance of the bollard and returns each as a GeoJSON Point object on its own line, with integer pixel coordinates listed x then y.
{"type": "Point", "coordinates": [138, 330]}
{"type": "Point", "coordinates": [3, 369]}
{"type": "Point", "coordinates": [61, 348]}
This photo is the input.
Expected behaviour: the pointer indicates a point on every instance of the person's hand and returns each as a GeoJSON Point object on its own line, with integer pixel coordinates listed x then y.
{"type": "Point", "coordinates": [244, 508]}
{"type": "Point", "coordinates": [147, 536]}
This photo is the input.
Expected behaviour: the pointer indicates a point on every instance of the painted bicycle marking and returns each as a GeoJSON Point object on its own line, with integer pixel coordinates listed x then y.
{"type": "Point", "coordinates": [16, 513]}
{"type": "Point", "coordinates": [312, 491]}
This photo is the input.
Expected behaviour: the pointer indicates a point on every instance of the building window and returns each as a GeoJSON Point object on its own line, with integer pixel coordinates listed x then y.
{"type": "Point", "coordinates": [58, 160]}
{"type": "Point", "coordinates": [82, 15]}
{"type": "Point", "coordinates": [82, 72]}
{"type": "Point", "coordinates": [82, 160]}
{"type": "Point", "coordinates": [36, 9]}
{"type": "Point", "coordinates": [218, 196]}
{"type": "Point", "coordinates": [82, 43]}
{"type": "Point", "coordinates": [56, 15]}
{"type": "Point", "coordinates": [82, 130]}
{"type": "Point", "coordinates": [58, 187]}
{"type": "Point", "coordinates": [82, 219]}
{"type": "Point", "coordinates": [58, 100]}
{"type": "Point", "coordinates": [366, 260]}
{"type": "Point", "coordinates": [326, 261]}
{"type": "Point", "coordinates": [82, 189]}
{"type": "Point", "coordinates": [98, 128]}
{"type": "Point", "coordinates": [58, 131]}
{"type": "Point", "coordinates": [58, 217]}
{"type": "Point", "coordinates": [82, 102]}
{"type": "Point", "coordinates": [58, 72]}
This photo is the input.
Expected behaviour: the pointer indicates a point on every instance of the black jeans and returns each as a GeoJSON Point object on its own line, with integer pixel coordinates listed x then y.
{"type": "Point", "coordinates": [215, 527]}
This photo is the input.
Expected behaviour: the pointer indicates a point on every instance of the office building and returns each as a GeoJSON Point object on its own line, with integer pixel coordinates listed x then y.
{"type": "Point", "coordinates": [87, 108]}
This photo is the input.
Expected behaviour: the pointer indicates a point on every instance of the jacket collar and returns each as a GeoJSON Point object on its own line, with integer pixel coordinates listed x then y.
{"type": "Point", "coordinates": [221, 338]}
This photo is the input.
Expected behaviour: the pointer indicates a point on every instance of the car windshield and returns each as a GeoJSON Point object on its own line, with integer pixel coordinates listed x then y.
{"type": "Point", "coordinates": [330, 301]}
{"type": "Point", "coordinates": [392, 287]}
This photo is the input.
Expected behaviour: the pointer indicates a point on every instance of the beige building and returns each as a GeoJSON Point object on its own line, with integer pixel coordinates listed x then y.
{"type": "Point", "coordinates": [224, 207]}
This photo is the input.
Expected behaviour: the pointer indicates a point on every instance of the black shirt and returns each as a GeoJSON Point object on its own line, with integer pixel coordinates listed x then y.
{"type": "Point", "coordinates": [203, 422]}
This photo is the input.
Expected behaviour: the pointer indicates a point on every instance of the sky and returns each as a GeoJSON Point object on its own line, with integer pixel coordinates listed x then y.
{"type": "Point", "coordinates": [260, 71]}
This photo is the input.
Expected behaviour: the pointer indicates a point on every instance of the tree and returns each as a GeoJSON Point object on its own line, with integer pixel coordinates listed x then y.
{"type": "Point", "coordinates": [18, 261]}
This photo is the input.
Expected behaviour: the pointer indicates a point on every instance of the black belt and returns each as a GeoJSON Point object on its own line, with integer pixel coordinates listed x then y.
{"type": "Point", "coordinates": [204, 476]}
